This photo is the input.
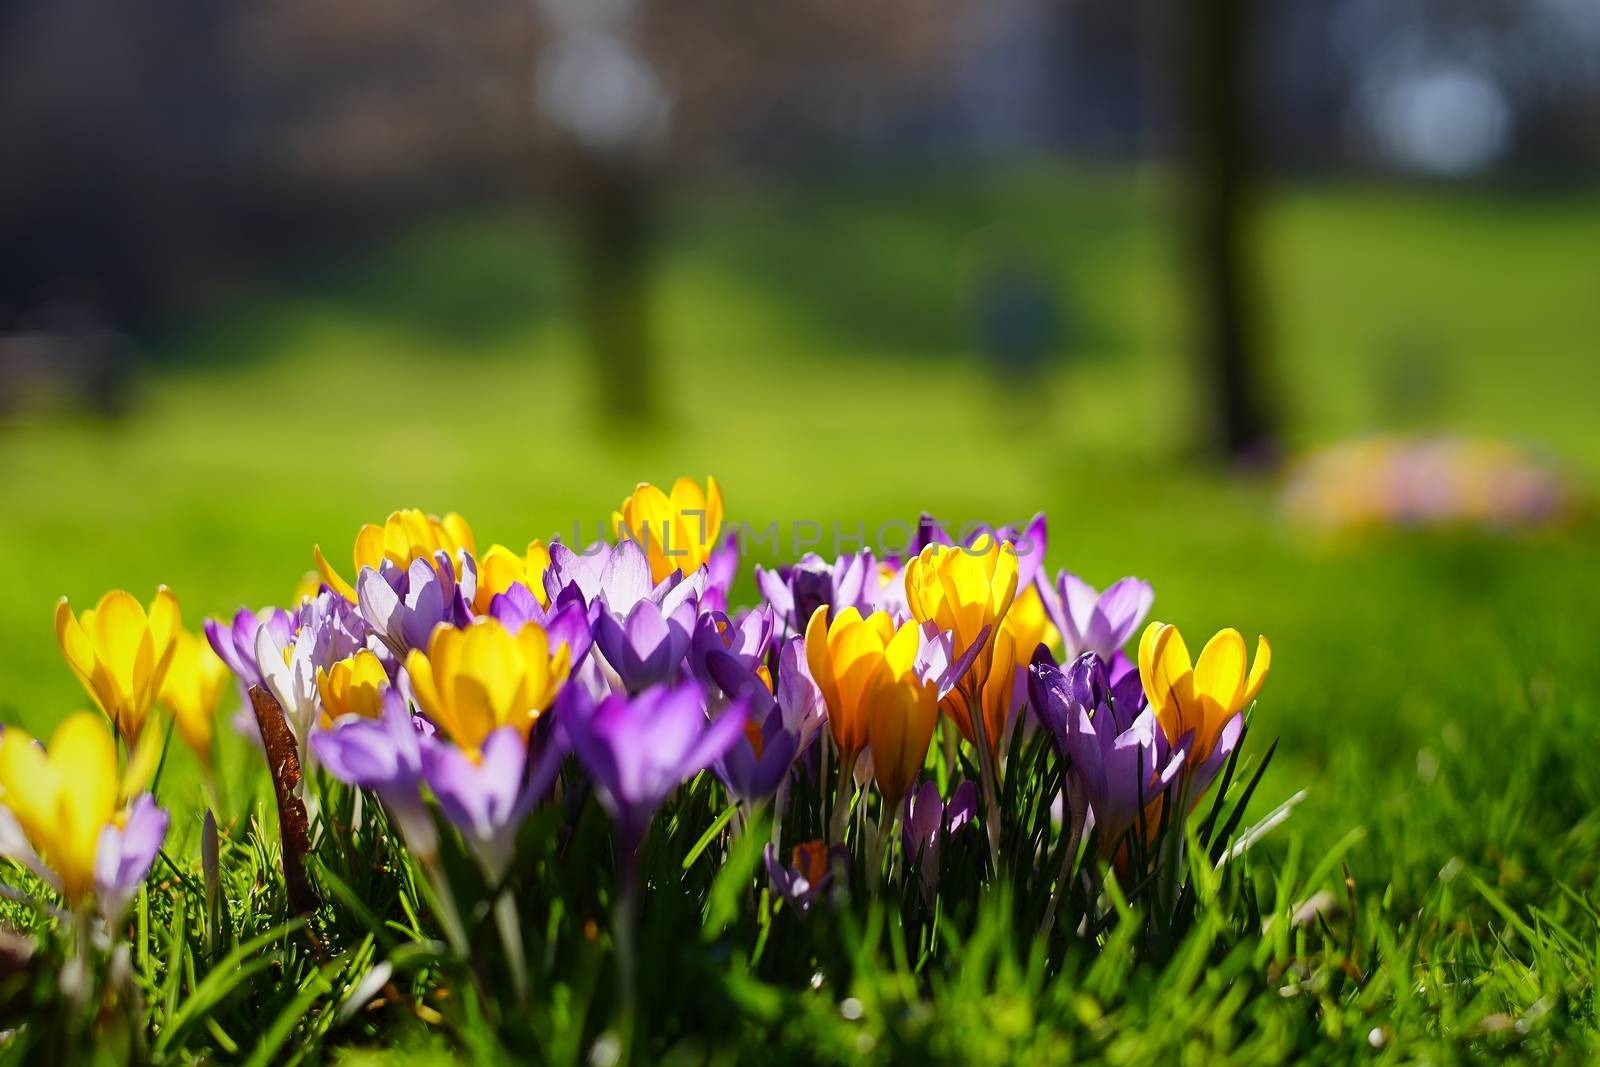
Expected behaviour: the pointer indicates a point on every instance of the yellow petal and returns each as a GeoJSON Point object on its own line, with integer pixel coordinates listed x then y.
{"type": "Point", "coordinates": [999, 690]}
{"type": "Point", "coordinates": [331, 576]}
{"type": "Point", "coordinates": [1219, 673]}
{"type": "Point", "coordinates": [406, 535]}
{"type": "Point", "coordinates": [534, 644]}
{"type": "Point", "coordinates": [882, 625]}
{"type": "Point", "coordinates": [420, 670]}
{"type": "Point", "coordinates": [1170, 685]}
{"type": "Point", "coordinates": [1003, 581]}
{"type": "Point", "coordinates": [369, 547]}
{"type": "Point", "coordinates": [29, 784]}
{"type": "Point", "coordinates": [86, 756]}
{"type": "Point", "coordinates": [820, 661]}
{"type": "Point", "coordinates": [686, 493]}
{"type": "Point", "coordinates": [1258, 670]}
{"type": "Point", "coordinates": [498, 570]}
{"type": "Point", "coordinates": [1147, 647]}
{"type": "Point", "coordinates": [914, 578]}
{"type": "Point", "coordinates": [143, 758]}
{"type": "Point", "coordinates": [713, 507]}
{"type": "Point", "coordinates": [537, 563]}
{"type": "Point", "coordinates": [487, 678]}
{"type": "Point", "coordinates": [899, 729]}
{"type": "Point", "coordinates": [121, 635]}
{"type": "Point", "coordinates": [75, 644]}
{"type": "Point", "coordinates": [555, 678]}
{"type": "Point", "coordinates": [459, 534]}
{"type": "Point", "coordinates": [165, 624]}
{"type": "Point", "coordinates": [166, 618]}
{"type": "Point", "coordinates": [857, 655]}
{"type": "Point", "coordinates": [901, 651]}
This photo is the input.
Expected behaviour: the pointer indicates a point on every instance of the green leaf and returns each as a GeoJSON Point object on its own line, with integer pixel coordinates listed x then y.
{"type": "Point", "coordinates": [733, 880]}
{"type": "Point", "coordinates": [229, 973]}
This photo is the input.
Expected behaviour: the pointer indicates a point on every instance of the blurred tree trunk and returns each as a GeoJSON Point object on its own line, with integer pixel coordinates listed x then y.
{"type": "Point", "coordinates": [614, 283]}
{"type": "Point", "coordinates": [1214, 118]}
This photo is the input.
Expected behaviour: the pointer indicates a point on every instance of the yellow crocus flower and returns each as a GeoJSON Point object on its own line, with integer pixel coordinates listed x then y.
{"type": "Point", "coordinates": [1201, 697]}
{"type": "Point", "coordinates": [353, 686]}
{"type": "Point", "coordinates": [677, 532]}
{"type": "Point", "coordinates": [404, 536]}
{"type": "Point", "coordinates": [963, 590]}
{"type": "Point", "coordinates": [1024, 628]}
{"type": "Point", "coordinates": [121, 653]}
{"type": "Point", "coordinates": [846, 659]}
{"type": "Point", "coordinates": [473, 681]}
{"type": "Point", "coordinates": [500, 568]}
{"type": "Point", "coordinates": [866, 671]}
{"type": "Point", "coordinates": [63, 796]}
{"type": "Point", "coordinates": [192, 690]}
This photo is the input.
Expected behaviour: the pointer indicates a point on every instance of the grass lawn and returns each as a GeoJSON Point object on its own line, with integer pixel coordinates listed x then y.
{"type": "Point", "coordinates": [1435, 694]}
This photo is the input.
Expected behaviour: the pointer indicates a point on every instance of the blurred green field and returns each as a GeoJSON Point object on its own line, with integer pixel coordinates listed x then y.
{"type": "Point", "coordinates": [818, 357]}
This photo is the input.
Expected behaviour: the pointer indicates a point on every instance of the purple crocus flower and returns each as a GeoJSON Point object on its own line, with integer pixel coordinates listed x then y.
{"type": "Point", "coordinates": [403, 605]}
{"type": "Point", "coordinates": [812, 867]}
{"type": "Point", "coordinates": [329, 629]}
{"type": "Point", "coordinates": [929, 531]}
{"type": "Point", "coordinates": [796, 592]}
{"type": "Point", "coordinates": [758, 762]}
{"type": "Point", "coordinates": [384, 755]}
{"type": "Point", "coordinates": [486, 800]}
{"type": "Point", "coordinates": [124, 855]}
{"type": "Point", "coordinates": [617, 576]}
{"type": "Point", "coordinates": [927, 821]}
{"type": "Point", "coordinates": [235, 642]}
{"type": "Point", "coordinates": [567, 621]}
{"type": "Point", "coordinates": [796, 698]}
{"type": "Point", "coordinates": [638, 749]}
{"type": "Point", "coordinates": [746, 639]}
{"type": "Point", "coordinates": [1095, 622]}
{"type": "Point", "coordinates": [647, 647]}
{"type": "Point", "coordinates": [1030, 542]}
{"type": "Point", "coordinates": [1119, 752]}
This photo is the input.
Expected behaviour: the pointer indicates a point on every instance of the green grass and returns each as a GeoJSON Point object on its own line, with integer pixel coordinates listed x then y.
{"type": "Point", "coordinates": [1436, 693]}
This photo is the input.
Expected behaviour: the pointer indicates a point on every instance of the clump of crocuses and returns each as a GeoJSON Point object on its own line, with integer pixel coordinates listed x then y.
{"type": "Point", "coordinates": [895, 715]}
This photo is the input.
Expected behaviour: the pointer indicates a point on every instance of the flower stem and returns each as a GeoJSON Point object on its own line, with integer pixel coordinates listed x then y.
{"type": "Point", "coordinates": [449, 916]}
{"type": "Point", "coordinates": [841, 802]}
{"type": "Point", "coordinates": [779, 804]}
{"type": "Point", "coordinates": [875, 847]}
{"type": "Point", "coordinates": [510, 926]}
{"type": "Point", "coordinates": [991, 800]}
{"type": "Point", "coordinates": [1077, 809]}
{"type": "Point", "coordinates": [627, 958]}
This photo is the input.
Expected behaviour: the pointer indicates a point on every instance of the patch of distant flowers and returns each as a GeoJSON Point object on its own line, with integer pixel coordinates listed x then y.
{"type": "Point", "coordinates": [1424, 482]}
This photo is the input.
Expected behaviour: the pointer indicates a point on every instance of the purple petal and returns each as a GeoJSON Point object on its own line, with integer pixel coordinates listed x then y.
{"type": "Point", "coordinates": [124, 855]}
{"type": "Point", "coordinates": [516, 607]}
{"type": "Point", "coordinates": [774, 589]}
{"type": "Point", "coordinates": [625, 579]}
{"type": "Point", "coordinates": [1030, 545]}
{"type": "Point", "coordinates": [1118, 612]}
